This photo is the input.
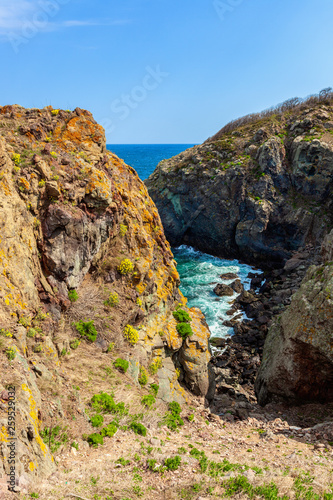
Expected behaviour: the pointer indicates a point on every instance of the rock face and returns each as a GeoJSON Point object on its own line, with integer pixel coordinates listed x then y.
{"type": "Point", "coordinates": [297, 362]}
{"type": "Point", "coordinates": [253, 193]}
{"type": "Point", "coordinates": [80, 235]}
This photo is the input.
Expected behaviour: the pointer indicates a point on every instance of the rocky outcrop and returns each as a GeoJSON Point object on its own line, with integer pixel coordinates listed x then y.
{"type": "Point", "coordinates": [297, 362]}
{"type": "Point", "coordinates": [253, 193]}
{"type": "Point", "coordinates": [80, 235]}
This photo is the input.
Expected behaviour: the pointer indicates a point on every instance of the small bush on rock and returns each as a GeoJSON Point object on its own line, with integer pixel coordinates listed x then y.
{"type": "Point", "coordinates": [143, 376]}
{"type": "Point", "coordinates": [184, 330]}
{"type": "Point", "coordinates": [155, 365]}
{"type": "Point", "coordinates": [182, 316]}
{"type": "Point", "coordinates": [154, 389]}
{"type": "Point", "coordinates": [121, 364]}
{"type": "Point", "coordinates": [131, 334]}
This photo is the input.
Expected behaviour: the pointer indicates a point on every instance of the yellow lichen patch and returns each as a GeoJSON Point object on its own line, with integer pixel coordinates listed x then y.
{"type": "Point", "coordinates": [32, 466]}
{"type": "Point", "coordinates": [3, 435]}
{"type": "Point", "coordinates": [34, 419]}
{"type": "Point", "coordinates": [24, 183]}
{"type": "Point", "coordinates": [173, 338]}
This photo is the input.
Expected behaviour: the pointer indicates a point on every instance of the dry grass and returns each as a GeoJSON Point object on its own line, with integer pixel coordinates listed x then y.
{"type": "Point", "coordinates": [295, 105]}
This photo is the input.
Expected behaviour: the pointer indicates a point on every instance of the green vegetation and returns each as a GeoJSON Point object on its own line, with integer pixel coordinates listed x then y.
{"type": "Point", "coordinates": [75, 344]}
{"type": "Point", "coordinates": [87, 330]}
{"type": "Point", "coordinates": [105, 403]}
{"type": "Point", "coordinates": [155, 365]}
{"type": "Point", "coordinates": [95, 439]}
{"type": "Point", "coordinates": [143, 376]}
{"type": "Point", "coordinates": [148, 400]}
{"type": "Point", "coordinates": [184, 330]}
{"type": "Point", "coordinates": [97, 420]}
{"type": "Point", "coordinates": [110, 429]}
{"type": "Point", "coordinates": [154, 389]}
{"type": "Point", "coordinates": [173, 463]}
{"type": "Point", "coordinates": [31, 333]}
{"type": "Point", "coordinates": [11, 353]}
{"type": "Point", "coordinates": [121, 364]}
{"type": "Point", "coordinates": [182, 316]}
{"type": "Point", "coordinates": [138, 428]}
{"type": "Point", "coordinates": [73, 295]}
{"type": "Point", "coordinates": [172, 418]}
{"type": "Point", "coordinates": [54, 437]}
{"type": "Point", "coordinates": [112, 301]}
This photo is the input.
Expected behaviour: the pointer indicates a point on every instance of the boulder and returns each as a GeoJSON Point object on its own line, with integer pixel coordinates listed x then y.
{"type": "Point", "coordinates": [223, 290]}
{"type": "Point", "coordinates": [297, 364]}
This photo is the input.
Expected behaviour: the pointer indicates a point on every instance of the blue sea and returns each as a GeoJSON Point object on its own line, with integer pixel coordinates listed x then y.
{"type": "Point", "coordinates": [198, 272]}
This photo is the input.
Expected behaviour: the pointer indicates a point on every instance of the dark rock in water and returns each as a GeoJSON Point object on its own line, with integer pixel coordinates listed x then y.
{"type": "Point", "coordinates": [223, 290]}
{"type": "Point", "coordinates": [246, 298]}
{"type": "Point", "coordinates": [237, 286]}
{"type": "Point", "coordinates": [217, 341]}
{"type": "Point", "coordinates": [229, 276]}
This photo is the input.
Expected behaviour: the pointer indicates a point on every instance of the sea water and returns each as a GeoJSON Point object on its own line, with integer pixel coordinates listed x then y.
{"type": "Point", "coordinates": [199, 272]}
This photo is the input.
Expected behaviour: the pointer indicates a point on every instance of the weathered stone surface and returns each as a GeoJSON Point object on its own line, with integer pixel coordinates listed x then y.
{"type": "Point", "coordinates": [195, 354]}
{"type": "Point", "coordinates": [222, 290]}
{"type": "Point", "coordinates": [297, 361]}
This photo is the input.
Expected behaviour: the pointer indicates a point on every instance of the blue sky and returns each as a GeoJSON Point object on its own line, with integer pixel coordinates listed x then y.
{"type": "Point", "coordinates": [163, 71]}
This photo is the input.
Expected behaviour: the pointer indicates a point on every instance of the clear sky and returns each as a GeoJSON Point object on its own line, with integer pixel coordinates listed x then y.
{"type": "Point", "coordinates": [163, 71]}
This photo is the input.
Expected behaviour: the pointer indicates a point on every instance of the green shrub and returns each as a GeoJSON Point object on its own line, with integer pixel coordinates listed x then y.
{"type": "Point", "coordinates": [172, 418]}
{"type": "Point", "coordinates": [143, 376]}
{"type": "Point", "coordinates": [154, 389]}
{"type": "Point", "coordinates": [184, 330]}
{"type": "Point", "coordinates": [31, 333]}
{"type": "Point", "coordinates": [87, 330]}
{"type": "Point", "coordinates": [138, 428]}
{"type": "Point", "coordinates": [75, 445]}
{"type": "Point", "coordinates": [112, 301]}
{"type": "Point", "coordinates": [73, 295]}
{"type": "Point", "coordinates": [97, 420]}
{"type": "Point", "coordinates": [148, 400]}
{"type": "Point", "coordinates": [110, 429]}
{"type": "Point", "coordinates": [121, 364]}
{"type": "Point", "coordinates": [75, 344]}
{"type": "Point", "coordinates": [54, 437]}
{"type": "Point", "coordinates": [95, 439]}
{"type": "Point", "coordinates": [173, 463]}
{"type": "Point", "coordinates": [104, 402]}
{"type": "Point", "coordinates": [11, 353]}
{"type": "Point", "coordinates": [182, 316]}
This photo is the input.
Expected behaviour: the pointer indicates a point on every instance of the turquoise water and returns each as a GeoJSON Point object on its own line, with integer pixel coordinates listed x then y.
{"type": "Point", "coordinates": [198, 272]}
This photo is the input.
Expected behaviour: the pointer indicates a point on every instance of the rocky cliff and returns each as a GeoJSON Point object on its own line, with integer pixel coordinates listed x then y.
{"type": "Point", "coordinates": [258, 190]}
{"type": "Point", "coordinates": [86, 276]}
{"type": "Point", "coordinates": [297, 363]}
